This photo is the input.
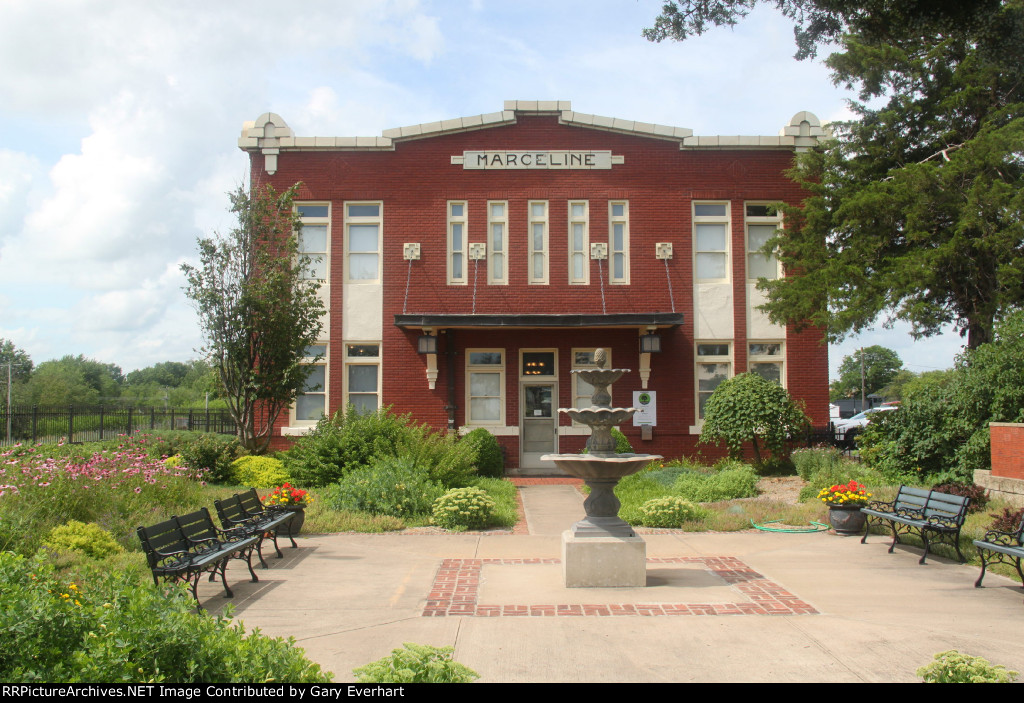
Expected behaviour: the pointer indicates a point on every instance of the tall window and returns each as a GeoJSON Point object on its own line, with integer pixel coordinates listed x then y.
{"type": "Point", "coordinates": [762, 222]}
{"type": "Point", "coordinates": [714, 365]}
{"type": "Point", "coordinates": [311, 401]}
{"type": "Point", "coordinates": [711, 241]}
{"type": "Point", "coordinates": [362, 240]}
{"type": "Point", "coordinates": [538, 242]}
{"type": "Point", "coordinates": [485, 386]}
{"type": "Point", "coordinates": [313, 239]}
{"type": "Point", "coordinates": [767, 359]}
{"type": "Point", "coordinates": [618, 242]}
{"type": "Point", "coordinates": [579, 242]}
{"type": "Point", "coordinates": [456, 242]}
{"type": "Point", "coordinates": [362, 375]}
{"type": "Point", "coordinates": [497, 239]}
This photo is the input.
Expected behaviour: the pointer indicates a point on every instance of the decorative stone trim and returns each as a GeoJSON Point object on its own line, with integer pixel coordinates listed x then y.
{"type": "Point", "coordinates": [270, 134]}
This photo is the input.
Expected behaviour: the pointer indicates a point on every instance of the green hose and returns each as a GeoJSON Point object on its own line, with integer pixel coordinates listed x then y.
{"type": "Point", "coordinates": [819, 527]}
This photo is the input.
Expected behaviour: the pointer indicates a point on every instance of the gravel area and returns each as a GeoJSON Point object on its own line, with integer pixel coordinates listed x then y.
{"type": "Point", "coordinates": [782, 489]}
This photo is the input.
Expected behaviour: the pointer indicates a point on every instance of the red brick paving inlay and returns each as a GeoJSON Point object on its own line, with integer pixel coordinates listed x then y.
{"type": "Point", "coordinates": [457, 584]}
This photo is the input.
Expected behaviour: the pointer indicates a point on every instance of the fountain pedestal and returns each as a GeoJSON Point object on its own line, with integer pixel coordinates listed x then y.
{"type": "Point", "coordinates": [603, 562]}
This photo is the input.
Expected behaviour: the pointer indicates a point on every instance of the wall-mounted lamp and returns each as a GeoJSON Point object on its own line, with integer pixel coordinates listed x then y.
{"type": "Point", "coordinates": [650, 343]}
{"type": "Point", "coordinates": [427, 344]}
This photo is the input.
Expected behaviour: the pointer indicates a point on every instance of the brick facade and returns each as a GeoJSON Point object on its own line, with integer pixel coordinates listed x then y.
{"type": "Point", "coordinates": [660, 175]}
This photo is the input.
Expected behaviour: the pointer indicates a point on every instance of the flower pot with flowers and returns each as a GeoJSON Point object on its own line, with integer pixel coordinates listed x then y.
{"type": "Point", "coordinates": [844, 502]}
{"type": "Point", "coordinates": [290, 499]}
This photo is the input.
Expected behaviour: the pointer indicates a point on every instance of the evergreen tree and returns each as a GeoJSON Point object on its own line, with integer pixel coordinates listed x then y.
{"type": "Point", "coordinates": [916, 209]}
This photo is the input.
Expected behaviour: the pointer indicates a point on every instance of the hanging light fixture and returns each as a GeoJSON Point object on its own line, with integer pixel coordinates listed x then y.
{"type": "Point", "coordinates": [650, 343]}
{"type": "Point", "coordinates": [427, 344]}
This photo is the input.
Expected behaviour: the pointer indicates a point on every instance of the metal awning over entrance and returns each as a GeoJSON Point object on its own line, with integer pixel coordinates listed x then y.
{"type": "Point", "coordinates": [445, 321]}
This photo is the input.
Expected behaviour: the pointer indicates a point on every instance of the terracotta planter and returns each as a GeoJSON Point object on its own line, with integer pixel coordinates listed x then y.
{"type": "Point", "coordinates": [846, 520]}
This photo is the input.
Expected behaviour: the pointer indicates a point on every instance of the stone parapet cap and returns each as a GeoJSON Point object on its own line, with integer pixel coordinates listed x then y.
{"type": "Point", "coordinates": [270, 131]}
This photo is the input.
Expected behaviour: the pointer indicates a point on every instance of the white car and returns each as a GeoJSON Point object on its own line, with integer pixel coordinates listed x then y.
{"type": "Point", "coordinates": [847, 430]}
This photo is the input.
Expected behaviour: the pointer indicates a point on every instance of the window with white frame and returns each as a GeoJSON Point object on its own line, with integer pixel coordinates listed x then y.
{"type": "Point", "coordinates": [362, 376]}
{"type": "Point", "coordinates": [618, 242]}
{"type": "Point", "coordinates": [762, 222]}
{"type": "Point", "coordinates": [313, 239]}
{"type": "Point", "coordinates": [711, 242]}
{"type": "Point", "coordinates": [497, 240]}
{"type": "Point", "coordinates": [713, 365]}
{"type": "Point", "coordinates": [538, 210]}
{"type": "Point", "coordinates": [362, 242]}
{"type": "Point", "coordinates": [582, 392]}
{"type": "Point", "coordinates": [457, 221]}
{"type": "Point", "coordinates": [579, 242]}
{"type": "Point", "coordinates": [485, 386]}
{"type": "Point", "coordinates": [311, 401]}
{"type": "Point", "coordinates": [767, 360]}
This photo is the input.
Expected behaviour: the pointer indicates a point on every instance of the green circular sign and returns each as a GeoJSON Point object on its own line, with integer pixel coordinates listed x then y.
{"type": "Point", "coordinates": [645, 398]}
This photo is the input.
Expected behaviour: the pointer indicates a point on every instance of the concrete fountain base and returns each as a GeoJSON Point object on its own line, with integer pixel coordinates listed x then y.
{"type": "Point", "coordinates": [603, 562]}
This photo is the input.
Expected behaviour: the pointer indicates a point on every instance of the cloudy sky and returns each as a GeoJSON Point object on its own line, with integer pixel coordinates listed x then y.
{"type": "Point", "coordinates": [119, 121]}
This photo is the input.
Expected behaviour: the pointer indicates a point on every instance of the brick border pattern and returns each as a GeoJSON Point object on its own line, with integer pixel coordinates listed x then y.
{"type": "Point", "coordinates": [456, 587]}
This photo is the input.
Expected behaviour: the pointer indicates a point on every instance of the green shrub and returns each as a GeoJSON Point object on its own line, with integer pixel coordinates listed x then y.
{"type": "Point", "coordinates": [490, 461]}
{"type": "Point", "coordinates": [259, 472]}
{"type": "Point", "coordinates": [954, 667]}
{"type": "Point", "coordinates": [448, 462]}
{"type": "Point", "coordinates": [670, 511]}
{"type": "Point", "coordinates": [343, 443]}
{"type": "Point", "coordinates": [85, 538]}
{"type": "Point", "coordinates": [211, 453]}
{"type": "Point", "coordinates": [389, 486]}
{"type": "Point", "coordinates": [504, 494]}
{"type": "Point", "coordinates": [117, 630]}
{"type": "Point", "coordinates": [808, 462]}
{"type": "Point", "coordinates": [724, 485]}
{"type": "Point", "coordinates": [749, 408]}
{"type": "Point", "coordinates": [416, 663]}
{"type": "Point", "coordinates": [463, 509]}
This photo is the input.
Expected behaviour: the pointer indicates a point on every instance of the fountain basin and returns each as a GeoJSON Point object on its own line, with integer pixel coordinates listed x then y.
{"type": "Point", "coordinates": [601, 468]}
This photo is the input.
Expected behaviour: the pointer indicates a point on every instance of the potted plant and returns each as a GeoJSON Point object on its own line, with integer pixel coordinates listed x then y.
{"type": "Point", "coordinates": [288, 498]}
{"type": "Point", "coordinates": [844, 502]}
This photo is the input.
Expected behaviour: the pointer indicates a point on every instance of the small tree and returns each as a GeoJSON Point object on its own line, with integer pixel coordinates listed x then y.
{"type": "Point", "coordinates": [879, 366]}
{"type": "Point", "coordinates": [258, 309]}
{"type": "Point", "coordinates": [749, 408]}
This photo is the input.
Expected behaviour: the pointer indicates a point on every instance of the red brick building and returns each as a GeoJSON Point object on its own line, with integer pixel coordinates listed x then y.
{"type": "Point", "coordinates": [470, 265]}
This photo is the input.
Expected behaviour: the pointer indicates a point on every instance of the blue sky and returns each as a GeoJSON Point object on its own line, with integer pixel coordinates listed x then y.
{"type": "Point", "coordinates": [119, 121]}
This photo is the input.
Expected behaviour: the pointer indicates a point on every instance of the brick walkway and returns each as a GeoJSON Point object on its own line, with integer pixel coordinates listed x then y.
{"type": "Point", "coordinates": [456, 586]}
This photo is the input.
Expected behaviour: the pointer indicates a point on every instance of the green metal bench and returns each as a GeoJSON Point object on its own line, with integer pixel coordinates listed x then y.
{"type": "Point", "coordinates": [233, 516]}
{"type": "Point", "coordinates": [922, 512]}
{"type": "Point", "coordinates": [184, 548]}
{"type": "Point", "coordinates": [1001, 547]}
{"type": "Point", "coordinates": [270, 518]}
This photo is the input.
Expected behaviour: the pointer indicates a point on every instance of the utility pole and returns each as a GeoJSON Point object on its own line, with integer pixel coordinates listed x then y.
{"type": "Point", "coordinates": [10, 365]}
{"type": "Point", "coordinates": [863, 407]}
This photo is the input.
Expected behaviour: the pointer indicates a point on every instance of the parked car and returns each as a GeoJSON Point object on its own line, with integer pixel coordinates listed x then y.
{"type": "Point", "coordinates": [847, 430]}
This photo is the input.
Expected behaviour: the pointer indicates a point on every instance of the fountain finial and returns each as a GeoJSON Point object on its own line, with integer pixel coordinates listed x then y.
{"type": "Point", "coordinates": [600, 358]}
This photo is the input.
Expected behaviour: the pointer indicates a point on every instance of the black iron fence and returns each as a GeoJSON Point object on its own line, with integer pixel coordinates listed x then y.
{"type": "Point", "coordinates": [826, 436]}
{"type": "Point", "coordinates": [78, 423]}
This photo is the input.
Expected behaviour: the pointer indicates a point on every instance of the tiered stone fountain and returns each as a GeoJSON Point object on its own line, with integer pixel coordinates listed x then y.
{"type": "Point", "coordinates": [602, 550]}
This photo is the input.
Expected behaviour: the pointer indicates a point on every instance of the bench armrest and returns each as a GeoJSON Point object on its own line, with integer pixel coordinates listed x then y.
{"type": "Point", "coordinates": [1003, 539]}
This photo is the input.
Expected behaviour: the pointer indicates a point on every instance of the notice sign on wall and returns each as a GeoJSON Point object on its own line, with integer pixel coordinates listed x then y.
{"type": "Point", "coordinates": [646, 403]}
{"type": "Point", "coordinates": [534, 159]}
